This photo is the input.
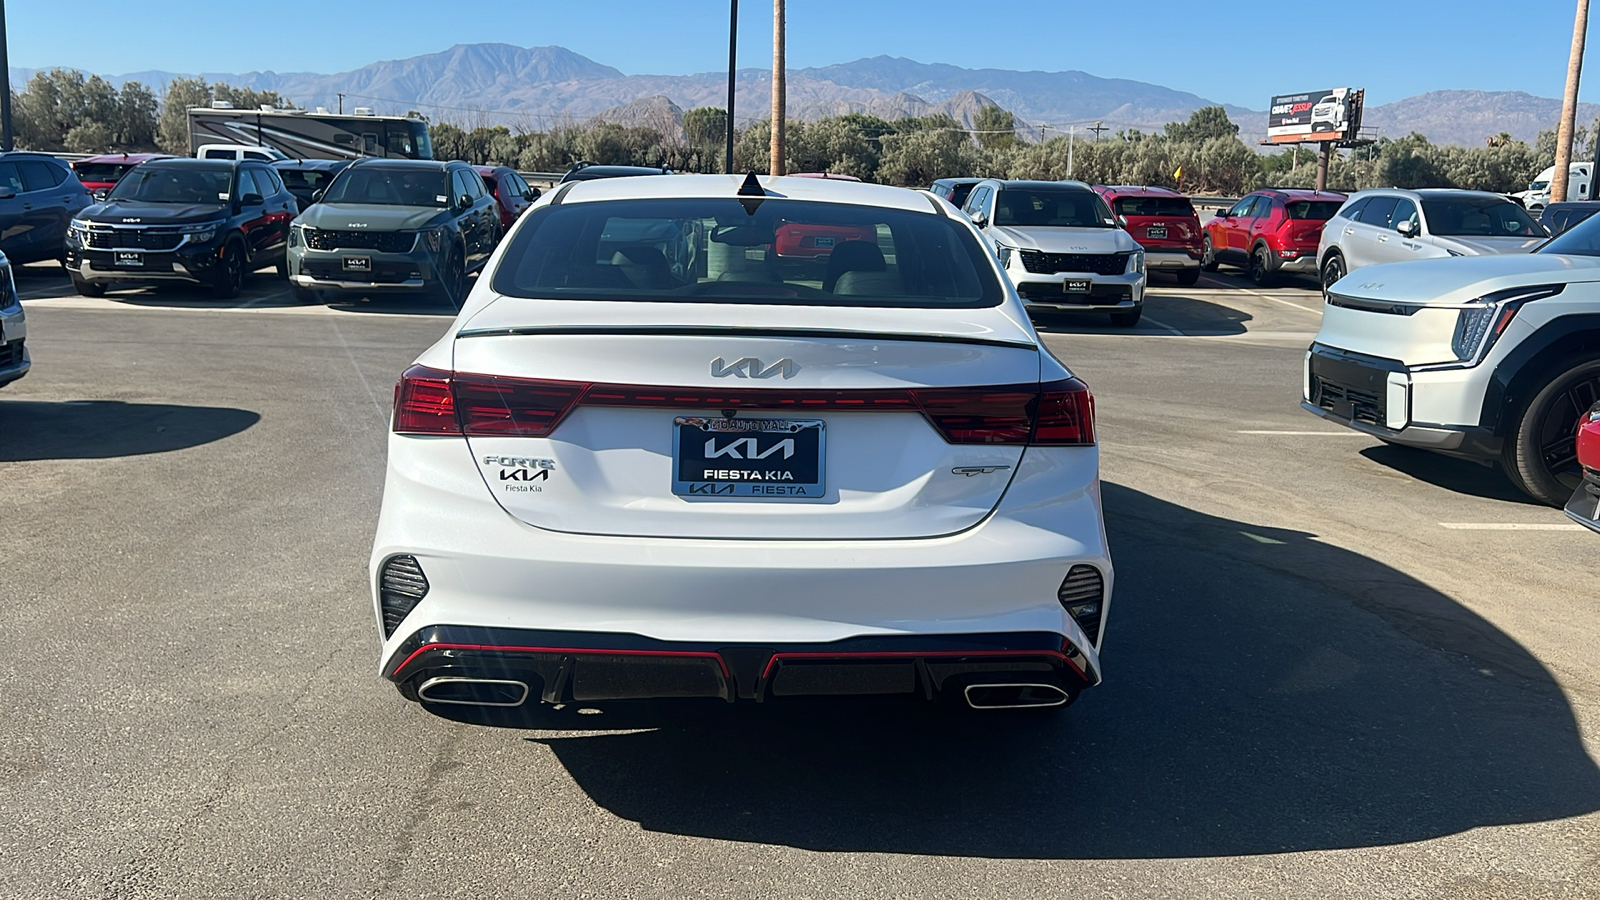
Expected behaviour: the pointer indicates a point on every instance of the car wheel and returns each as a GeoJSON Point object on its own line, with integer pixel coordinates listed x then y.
{"type": "Point", "coordinates": [1332, 271]}
{"type": "Point", "coordinates": [1208, 256]}
{"type": "Point", "coordinates": [87, 288]}
{"type": "Point", "coordinates": [1261, 268]}
{"type": "Point", "coordinates": [1127, 319]}
{"type": "Point", "coordinates": [1189, 277]}
{"type": "Point", "coordinates": [1541, 453]}
{"type": "Point", "coordinates": [229, 280]}
{"type": "Point", "coordinates": [452, 287]}
{"type": "Point", "coordinates": [283, 267]}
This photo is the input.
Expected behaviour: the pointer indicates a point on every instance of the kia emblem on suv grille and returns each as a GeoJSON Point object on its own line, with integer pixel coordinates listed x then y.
{"type": "Point", "coordinates": [750, 367]}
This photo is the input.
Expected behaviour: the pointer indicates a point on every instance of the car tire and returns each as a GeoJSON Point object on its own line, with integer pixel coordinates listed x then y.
{"type": "Point", "coordinates": [1260, 268]}
{"type": "Point", "coordinates": [87, 288]}
{"type": "Point", "coordinates": [1127, 319]}
{"type": "Point", "coordinates": [1189, 277]}
{"type": "Point", "coordinates": [1332, 271]}
{"type": "Point", "coordinates": [1208, 256]}
{"type": "Point", "coordinates": [229, 280]}
{"type": "Point", "coordinates": [452, 284]}
{"type": "Point", "coordinates": [283, 267]}
{"type": "Point", "coordinates": [1540, 455]}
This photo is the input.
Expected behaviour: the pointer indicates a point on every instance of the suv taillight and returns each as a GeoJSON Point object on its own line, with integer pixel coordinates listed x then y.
{"type": "Point", "coordinates": [431, 401]}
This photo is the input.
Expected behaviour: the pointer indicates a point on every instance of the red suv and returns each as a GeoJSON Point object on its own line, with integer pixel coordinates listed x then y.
{"type": "Point", "coordinates": [1165, 225]}
{"type": "Point", "coordinates": [512, 196]}
{"type": "Point", "coordinates": [1270, 233]}
{"type": "Point", "coordinates": [101, 173]}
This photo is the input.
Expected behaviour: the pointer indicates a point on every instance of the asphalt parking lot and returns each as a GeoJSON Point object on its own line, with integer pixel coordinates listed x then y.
{"type": "Point", "coordinates": [1334, 668]}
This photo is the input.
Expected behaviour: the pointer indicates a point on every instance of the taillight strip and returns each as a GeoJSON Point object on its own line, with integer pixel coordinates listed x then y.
{"type": "Point", "coordinates": [430, 401]}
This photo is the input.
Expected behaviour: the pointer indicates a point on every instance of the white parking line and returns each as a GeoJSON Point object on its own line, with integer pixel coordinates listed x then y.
{"type": "Point", "coordinates": [1512, 526]}
{"type": "Point", "coordinates": [1160, 324]}
{"type": "Point", "coordinates": [1310, 433]}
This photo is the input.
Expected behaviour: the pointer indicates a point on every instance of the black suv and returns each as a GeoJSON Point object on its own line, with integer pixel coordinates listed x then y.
{"type": "Point", "coordinates": [199, 220]}
{"type": "Point", "coordinates": [39, 195]}
{"type": "Point", "coordinates": [588, 171]}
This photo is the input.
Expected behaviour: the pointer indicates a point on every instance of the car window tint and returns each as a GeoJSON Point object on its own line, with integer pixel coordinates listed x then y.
{"type": "Point", "coordinates": [1153, 206]}
{"type": "Point", "coordinates": [37, 175]}
{"type": "Point", "coordinates": [1352, 209]}
{"type": "Point", "coordinates": [1377, 212]}
{"type": "Point", "coordinates": [1242, 208]}
{"type": "Point", "coordinates": [458, 186]}
{"type": "Point", "coordinates": [1262, 208]}
{"type": "Point", "coordinates": [247, 184]}
{"type": "Point", "coordinates": [710, 250]}
{"type": "Point", "coordinates": [1050, 207]}
{"type": "Point", "coordinates": [219, 154]}
{"type": "Point", "coordinates": [10, 178]}
{"type": "Point", "coordinates": [269, 181]}
{"type": "Point", "coordinates": [390, 186]}
{"type": "Point", "coordinates": [1404, 211]}
{"type": "Point", "coordinates": [1470, 216]}
{"type": "Point", "coordinates": [1314, 210]}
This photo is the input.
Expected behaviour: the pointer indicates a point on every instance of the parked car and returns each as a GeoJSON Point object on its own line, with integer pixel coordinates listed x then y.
{"type": "Point", "coordinates": [1061, 246]}
{"type": "Point", "coordinates": [39, 195]}
{"type": "Point", "coordinates": [586, 499]}
{"type": "Point", "coordinates": [1164, 223]}
{"type": "Point", "coordinates": [831, 176]}
{"type": "Point", "coordinates": [512, 195]}
{"type": "Point", "coordinates": [394, 225]}
{"type": "Point", "coordinates": [203, 221]}
{"type": "Point", "coordinates": [1492, 358]}
{"type": "Point", "coordinates": [1269, 233]}
{"type": "Point", "coordinates": [306, 177]}
{"type": "Point", "coordinates": [14, 360]}
{"type": "Point", "coordinates": [101, 173]}
{"type": "Point", "coordinates": [1537, 196]}
{"type": "Point", "coordinates": [1392, 225]}
{"type": "Point", "coordinates": [1558, 217]}
{"type": "Point", "coordinates": [239, 152]}
{"type": "Point", "coordinates": [954, 190]}
{"type": "Point", "coordinates": [1583, 506]}
{"type": "Point", "coordinates": [586, 171]}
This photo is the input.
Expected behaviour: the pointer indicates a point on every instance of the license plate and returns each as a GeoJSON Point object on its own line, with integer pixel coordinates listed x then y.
{"type": "Point", "coordinates": [358, 264]}
{"type": "Point", "coordinates": [129, 258]}
{"type": "Point", "coordinates": [823, 241]}
{"type": "Point", "coordinates": [1155, 232]}
{"type": "Point", "coordinates": [771, 459]}
{"type": "Point", "coordinates": [1077, 285]}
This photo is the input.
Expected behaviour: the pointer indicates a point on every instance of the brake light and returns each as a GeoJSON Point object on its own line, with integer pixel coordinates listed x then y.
{"type": "Point", "coordinates": [423, 404]}
{"type": "Point", "coordinates": [430, 401]}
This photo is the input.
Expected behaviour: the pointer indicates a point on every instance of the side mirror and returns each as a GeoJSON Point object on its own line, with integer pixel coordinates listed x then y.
{"type": "Point", "coordinates": [1224, 214]}
{"type": "Point", "coordinates": [1409, 228]}
{"type": "Point", "coordinates": [316, 196]}
{"type": "Point", "coordinates": [252, 200]}
{"type": "Point", "coordinates": [531, 194]}
{"type": "Point", "coordinates": [980, 220]}
{"type": "Point", "coordinates": [464, 201]}
{"type": "Point", "coordinates": [100, 195]}
{"type": "Point", "coordinates": [7, 193]}
{"type": "Point", "coordinates": [1122, 221]}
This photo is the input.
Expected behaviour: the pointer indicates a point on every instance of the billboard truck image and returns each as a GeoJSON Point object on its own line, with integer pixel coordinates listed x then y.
{"type": "Point", "coordinates": [1314, 116]}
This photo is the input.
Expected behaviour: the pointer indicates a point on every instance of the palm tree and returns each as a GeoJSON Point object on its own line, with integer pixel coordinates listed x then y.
{"type": "Point", "coordinates": [1569, 105]}
{"type": "Point", "coordinates": [778, 88]}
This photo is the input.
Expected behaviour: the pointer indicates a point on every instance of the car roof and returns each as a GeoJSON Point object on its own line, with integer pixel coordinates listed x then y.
{"type": "Point", "coordinates": [125, 157]}
{"type": "Point", "coordinates": [1045, 185]}
{"type": "Point", "coordinates": [1137, 190]}
{"type": "Point", "coordinates": [437, 165]}
{"type": "Point", "coordinates": [1430, 192]}
{"type": "Point", "coordinates": [307, 163]}
{"type": "Point", "coordinates": [954, 182]}
{"type": "Point", "coordinates": [592, 172]}
{"type": "Point", "coordinates": [1288, 194]}
{"type": "Point", "coordinates": [825, 190]}
{"type": "Point", "coordinates": [188, 162]}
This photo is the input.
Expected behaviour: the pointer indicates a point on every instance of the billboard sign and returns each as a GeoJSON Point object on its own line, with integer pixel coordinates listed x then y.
{"type": "Point", "coordinates": [1311, 116]}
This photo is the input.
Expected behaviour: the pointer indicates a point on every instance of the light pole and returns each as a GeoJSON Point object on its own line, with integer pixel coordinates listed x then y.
{"type": "Point", "coordinates": [733, 60]}
{"type": "Point", "coordinates": [5, 85]}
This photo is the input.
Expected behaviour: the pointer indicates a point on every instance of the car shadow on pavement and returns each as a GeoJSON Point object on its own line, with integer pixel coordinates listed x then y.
{"type": "Point", "coordinates": [102, 429]}
{"type": "Point", "coordinates": [1266, 692]}
{"type": "Point", "coordinates": [1458, 475]}
{"type": "Point", "coordinates": [1191, 316]}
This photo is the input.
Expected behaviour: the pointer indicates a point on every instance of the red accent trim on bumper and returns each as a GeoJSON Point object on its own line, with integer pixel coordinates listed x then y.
{"type": "Point", "coordinates": [901, 654]}
{"type": "Point", "coordinates": [573, 651]}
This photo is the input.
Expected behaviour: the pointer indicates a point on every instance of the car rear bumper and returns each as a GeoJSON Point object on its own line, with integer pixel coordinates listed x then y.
{"type": "Point", "coordinates": [486, 569]}
{"type": "Point", "coordinates": [1304, 264]}
{"type": "Point", "coordinates": [564, 667]}
{"type": "Point", "coordinates": [1165, 260]}
{"type": "Point", "coordinates": [1107, 293]}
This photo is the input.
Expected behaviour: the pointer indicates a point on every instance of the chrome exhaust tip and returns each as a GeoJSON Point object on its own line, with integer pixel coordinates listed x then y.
{"type": "Point", "coordinates": [460, 691]}
{"type": "Point", "coordinates": [1015, 696]}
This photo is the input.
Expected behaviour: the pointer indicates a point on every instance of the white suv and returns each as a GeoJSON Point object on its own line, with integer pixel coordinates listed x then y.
{"type": "Point", "coordinates": [1391, 225]}
{"type": "Point", "coordinates": [692, 438]}
{"type": "Point", "coordinates": [1494, 358]}
{"type": "Point", "coordinates": [1061, 246]}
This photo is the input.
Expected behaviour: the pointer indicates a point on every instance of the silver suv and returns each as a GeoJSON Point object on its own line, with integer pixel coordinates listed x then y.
{"type": "Point", "coordinates": [1391, 225]}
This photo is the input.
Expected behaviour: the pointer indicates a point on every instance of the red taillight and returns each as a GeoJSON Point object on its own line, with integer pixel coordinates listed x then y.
{"type": "Point", "coordinates": [422, 403]}
{"type": "Point", "coordinates": [1066, 414]}
{"type": "Point", "coordinates": [513, 407]}
{"type": "Point", "coordinates": [430, 401]}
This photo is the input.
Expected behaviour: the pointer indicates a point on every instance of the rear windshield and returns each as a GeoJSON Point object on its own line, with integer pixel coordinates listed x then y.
{"type": "Point", "coordinates": [1316, 210]}
{"type": "Point", "coordinates": [386, 186]}
{"type": "Point", "coordinates": [101, 172]}
{"type": "Point", "coordinates": [1171, 207]}
{"type": "Point", "coordinates": [710, 250]}
{"type": "Point", "coordinates": [174, 184]}
{"type": "Point", "coordinates": [1478, 217]}
{"type": "Point", "coordinates": [960, 193]}
{"type": "Point", "coordinates": [306, 179]}
{"type": "Point", "coordinates": [1051, 207]}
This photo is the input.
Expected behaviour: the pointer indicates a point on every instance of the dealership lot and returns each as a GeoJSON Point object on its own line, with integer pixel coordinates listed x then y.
{"type": "Point", "coordinates": [1333, 667]}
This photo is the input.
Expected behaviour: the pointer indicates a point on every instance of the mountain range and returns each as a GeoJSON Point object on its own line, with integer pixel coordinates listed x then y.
{"type": "Point", "coordinates": [537, 87]}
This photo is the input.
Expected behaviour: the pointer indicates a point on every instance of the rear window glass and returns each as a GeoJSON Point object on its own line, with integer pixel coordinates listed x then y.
{"type": "Point", "coordinates": [960, 193]}
{"type": "Point", "coordinates": [100, 172]}
{"type": "Point", "coordinates": [1153, 206]}
{"type": "Point", "coordinates": [1048, 207]}
{"type": "Point", "coordinates": [1478, 216]}
{"type": "Point", "coordinates": [710, 250]}
{"type": "Point", "coordinates": [306, 179]}
{"type": "Point", "coordinates": [1318, 210]}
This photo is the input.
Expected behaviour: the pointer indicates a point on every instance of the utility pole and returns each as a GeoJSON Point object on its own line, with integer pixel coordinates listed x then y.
{"type": "Point", "coordinates": [1098, 127]}
{"type": "Point", "coordinates": [778, 88]}
{"type": "Point", "coordinates": [341, 103]}
{"type": "Point", "coordinates": [1569, 105]}
{"type": "Point", "coordinates": [733, 60]}
{"type": "Point", "coordinates": [1071, 133]}
{"type": "Point", "coordinates": [6, 136]}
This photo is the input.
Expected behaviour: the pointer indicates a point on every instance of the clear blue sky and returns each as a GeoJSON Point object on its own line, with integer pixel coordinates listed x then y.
{"type": "Point", "coordinates": [1234, 51]}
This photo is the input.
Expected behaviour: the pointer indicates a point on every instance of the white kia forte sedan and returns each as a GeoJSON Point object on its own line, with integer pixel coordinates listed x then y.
{"type": "Point", "coordinates": [744, 439]}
